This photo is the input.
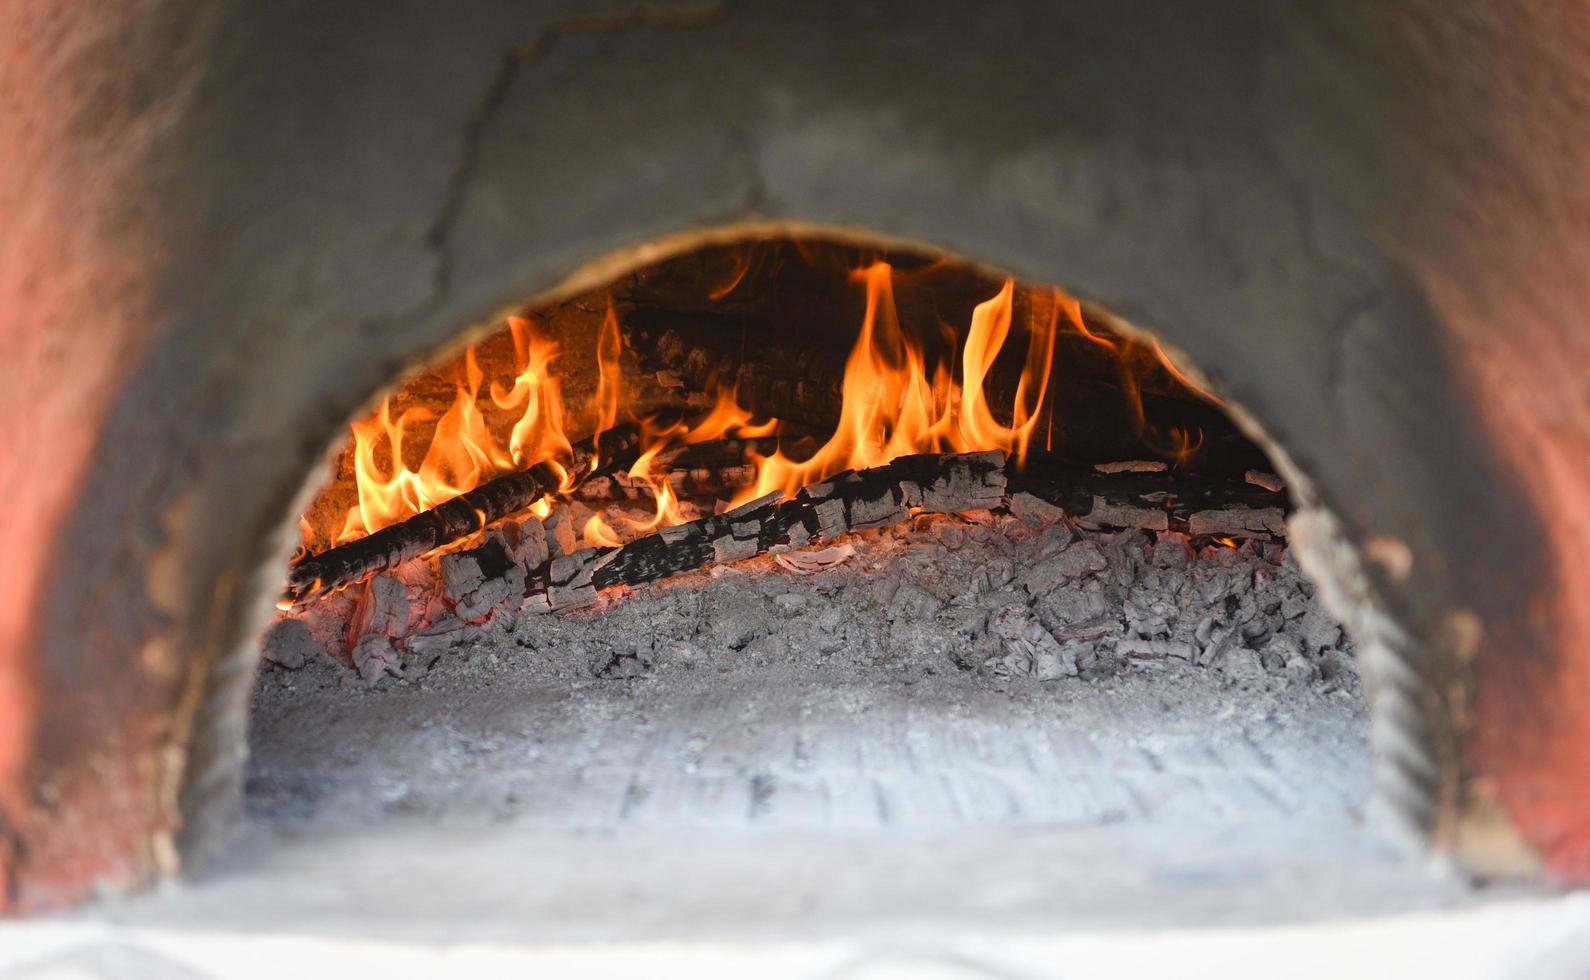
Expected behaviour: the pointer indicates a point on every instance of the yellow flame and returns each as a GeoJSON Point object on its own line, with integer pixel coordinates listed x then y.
{"type": "Point", "coordinates": [892, 404]}
{"type": "Point", "coordinates": [894, 400]}
{"type": "Point", "coordinates": [610, 380]}
{"type": "Point", "coordinates": [598, 535]}
{"type": "Point", "coordinates": [462, 451]}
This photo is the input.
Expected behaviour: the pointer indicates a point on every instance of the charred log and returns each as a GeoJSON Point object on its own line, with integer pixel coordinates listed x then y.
{"type": "Point", "coordinates": [1108, 495]}
{"type": "Point", "coordinates": [465, 514]}
{"type": "Point", "coordinates": [1157, 499]}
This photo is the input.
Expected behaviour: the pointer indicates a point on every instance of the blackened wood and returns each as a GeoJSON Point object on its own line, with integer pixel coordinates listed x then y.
{"type": "Point", "coordinates": [859, 499]}
{"type": "Point", "coordinates": [459, 517]}
{"type": "Point", "coordinates": [848, 501]}
{"type": "Point", "coordinates": [1079, 489]}
{"type": "Point", "coordinates": [851, 500]}
{"type": "Point", "coordinates": [720, 466]}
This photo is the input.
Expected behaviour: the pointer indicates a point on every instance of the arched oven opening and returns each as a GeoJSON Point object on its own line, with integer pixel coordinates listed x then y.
{"type": "Point", "coordinates": [1030, 638]}
{"type": "Point", "coordinates": [822, 549]}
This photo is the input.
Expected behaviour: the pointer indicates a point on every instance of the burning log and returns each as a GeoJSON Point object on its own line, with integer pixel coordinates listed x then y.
{"type": "Point", "coordinates": [890, 494]}
{"type": "Point", "coordinates": [556, 575]}
{"type": "Point", "coordinates": [847, 502]}
{"type": "Point", "coordinates": [465, 514]}
{"type": "Point", "coordinates": [1154, 499]}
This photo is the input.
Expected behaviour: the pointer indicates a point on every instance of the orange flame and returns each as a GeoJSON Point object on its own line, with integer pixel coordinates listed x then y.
{"type": "Point", "coordinates": [538, 435]}
{"type": "Point", "coordinates": [892, 404]}
{"type": "Point", "coordinates": [610, 379]}
{"type": "Point", "coordinates": [743, 259]}
{"type": "Point", "coordinates": [597, 534]}
{"type": "Point", "coordinates": [726, 418]}
{"type": "Point", "coordinates": [895, 400]}
{"type": "Point", "coordinates": [461, 452]}
{"type": "Point", "coordinates": [1135, 362]}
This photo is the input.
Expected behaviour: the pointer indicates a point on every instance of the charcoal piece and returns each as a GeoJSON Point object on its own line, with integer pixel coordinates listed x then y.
{"type": "Point", "coordinates": [740, 533]}
{"type": "Point", "coordinates": [727, 548]}
{"type": "Point", "coordinates": [1268, 481]}
{"type": "Point", "coordinates": [1133, 466]}
{"type": "Point", "coordinates": [1034, 511]}
{"type": "Point", "coordinates": [1078, 561]}
{"type": "Point", "coordinates": [571, 578]}
{"type": "Point", "coordinates": [876, 511]}
{"type": "Point", "coordinates": [558, 527]}
{"type": "Point", "coordinates": [1320, 632]}
{"type": "Point", "coordinates": [1028, 647]}
{"type": "Point", "coordinates": [669, 552]}
{"type": "Point", "coordinates": [374, 655]}
{"type": "Point", "coordinates": [383, 609]}
{"type": "Point", "coordinates": [912, 602]}
{"type": "Point", "coordinates": [792, 525]}
{"type": "Point", "coordinates": [1104, 513]}
{"type": "Point", "coordinates": [1139, 649]}
{"type": "Point", "coordinates": [579, 568]}
{"type": "Point", "coordinates": [526, 542]}
{"type": "Point", "coordinates": [476, 581]}
{"type": "Point", "coordinates": [831, 520]}
{"type": "Point", "coordinates": [289, 644]}
{"type": "Point", "coordinates": [564, 597]}
{"type": "Point", "coordinates": [970, 481]}
{"type": "Point", "coordinates": [625, 664]}
{"type": "Point", "coordinates": [1239, 521]}
{"type": "Point", "coordinates": [441, 636]}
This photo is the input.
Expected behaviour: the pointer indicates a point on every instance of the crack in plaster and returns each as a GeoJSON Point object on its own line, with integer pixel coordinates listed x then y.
{"type": "Point", "coordinates": [644, 15]}
{"type": "Point", "coordinates": [1339, 333]}
{"type": "Point", "coordinates": [210, 777]}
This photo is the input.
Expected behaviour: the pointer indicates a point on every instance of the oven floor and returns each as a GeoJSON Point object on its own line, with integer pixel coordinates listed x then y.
{"type": "Point", "coordinates": [499, 798]}
{"type": "Point", "coordinates": [750, 748]}
{"type": "Point", "coordinates": [752, 821]}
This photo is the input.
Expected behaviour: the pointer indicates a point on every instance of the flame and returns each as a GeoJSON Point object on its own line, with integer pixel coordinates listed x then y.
{"type": "Point", "coordinates": [1074, 315]}
{"type": "Point", "coordinates": [538, 434]}
{"type": "Point", "coordinates": [726, 418]}
{"type": "Point", "coordinates": [1177, 373]}
{"type": "Point", "coordinates": [743, 260]}
{"type": "Point", "coordinates": [461, 452]}
{"type": "Point", "coordinates": [610, 376]}
{"type": "Point", "coordinates": [597, 534]}
{"type": "Point", "coordinates": [896, 398]}
{"type": "Point", "coordinates": [1136, 361]}
{"type": "Point", "coordinates": [1040, 360]}
{"type": "Point", "coordinates": [892, 404]}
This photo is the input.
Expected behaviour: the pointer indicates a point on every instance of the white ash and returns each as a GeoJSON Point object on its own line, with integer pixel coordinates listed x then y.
{"type": "Point", "coordinates": [383, 608]}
